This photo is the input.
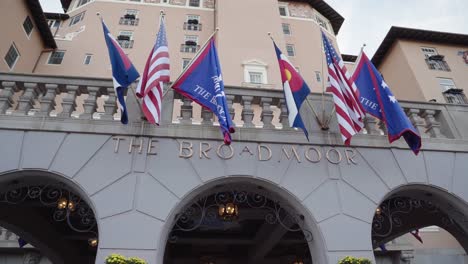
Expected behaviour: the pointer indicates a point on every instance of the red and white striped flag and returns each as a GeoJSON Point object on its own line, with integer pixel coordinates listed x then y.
{"type": "Point", "coordinates": [156, 73]}
{"type": "Point", "coordinates": [349, 110]}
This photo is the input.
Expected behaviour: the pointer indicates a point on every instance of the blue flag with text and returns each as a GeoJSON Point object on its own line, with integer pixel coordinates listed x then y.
{"type": "Point", "coordinates": [379, 101]}
{"type": "Point", "coordinates": [123, 71]}
{"type": "Point", "coordinates": [203, 83]}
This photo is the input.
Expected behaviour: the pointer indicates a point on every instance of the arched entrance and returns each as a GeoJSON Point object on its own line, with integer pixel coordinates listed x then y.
{"type": "Point", "coordinates": [414, 207]}
{"type": "Point", "coordinates": [50, 213]}
{"type": "Point", "coordinates": [239, 222]}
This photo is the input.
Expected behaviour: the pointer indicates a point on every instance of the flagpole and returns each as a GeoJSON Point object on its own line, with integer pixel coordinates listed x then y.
{"type": "Point", "coordinates": [324, 123]}
{"type": "Point", "coordinates": [307, 100]}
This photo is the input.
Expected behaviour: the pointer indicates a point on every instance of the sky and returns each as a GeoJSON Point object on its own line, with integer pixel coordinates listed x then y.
{"type": "Point", "coordinates": [368, 21]}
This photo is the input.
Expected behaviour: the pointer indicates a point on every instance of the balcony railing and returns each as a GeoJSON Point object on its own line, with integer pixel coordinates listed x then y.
{"type": "Point", "coordinates": [439, 65]}
{"type": "Point", "coordinates": [129, 21]}
{"type": "Point", "coordinates": [126, 44]}
{"type": "Point", "coordinates": [89, 105]}
{"type": "Point", "coordinates": [189, 48]}
{"type": "Point", "coordinates": [191, 26]}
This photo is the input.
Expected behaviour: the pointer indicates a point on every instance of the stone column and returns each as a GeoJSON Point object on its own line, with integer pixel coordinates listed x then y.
{"type": "Point", "coordinates": [26, 101]}
{"type": "Point", "coordinates": [6, 96]}
{"type": "Point", "coordinates": [207, 116]}
{"type": "Point", "coordinates": [267, 113]}
{"type": "Point", "coordinates": [68, 102]}
{"type": "Point", "coordinates": [48, 100]}
{"type": "Point", "coordinates": [418, 123]}
{"type": "Point", "coordinates": [110, 104]}
{"type": "Point", "coordinates": [284, 117]}
{"type": "Point", "coordinates": [247, 111]}
{"type": "Point", "coordinates": [432, 125]}
{"type": "Point", "coordinates": [186, 111]}
{"type": "Point", "coordinates": [371, 125]}
{"type": "Point", "coordinates": [90, 104]}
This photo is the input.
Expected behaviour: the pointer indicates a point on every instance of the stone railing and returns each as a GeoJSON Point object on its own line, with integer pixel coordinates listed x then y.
{"type": "Point", "coordinates": [27, 98]}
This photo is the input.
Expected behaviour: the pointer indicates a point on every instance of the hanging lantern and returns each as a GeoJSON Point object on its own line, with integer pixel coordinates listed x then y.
{"type": "Point", "coordinates": [93, 242]}
{"type": "Point", "coordinates": [378, 211]}
{"type": "Point", "coordinates": [298, 261]}
{"type": "Point", "coordinates": [62, 203]}
{"type": "Point", "coordinates": [228, 211]}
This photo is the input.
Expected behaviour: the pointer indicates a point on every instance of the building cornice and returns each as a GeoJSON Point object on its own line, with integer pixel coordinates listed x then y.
{"type": "Point", "coordinates": [397, 33]}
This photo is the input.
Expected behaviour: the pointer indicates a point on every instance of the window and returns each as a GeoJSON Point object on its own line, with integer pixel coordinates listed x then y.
{"type": "Point", "coordinates": [435, 61]}
{"type": "Point", "coordinates": [87, 59]}
{"type": "Point", "coordinates": [192, 23]}
{"type": "Point", "coordinates": [286, 29]}
{"type": "Point", "coordinates": [446, 84]}
{"type": "Point", "coordinates": [190, 44]}
{"type": "Point", "coordinates": [255, 77]}
{"type": "Point", "coordinates": [290, 50]}
{"type": "Point", "coordinates": [130, 18]}
{"type": "Point", "coordinates": [318, 76]}
{"type": "Point", "coordinates": [77, 18]}
{"type": "Point", "coordinates": [82, 2]}
{"type": "Point", "coordinates": [283, 10]}
{"type": "Point", "coordinates": [28, 26]}
{"type": "Point", "coordinates": [125, 39]}
{"type": "Point", "coordinates": [185, 62]}
{"type": "Point", "coordinates": [164, 1]}
{"type": "Point", "coordinates": [53, 23]}
{"type": "Point", "coordinates": [255, 72]}
{"type": "Point", "coordinates": [191, 40]}
{"type": "Point", "coordinates": [452, 94]}
{"type": "Point", "coordinates": [12, 56]}
{"type": "Point", "coordinates": [194, 3]}
{"type": "Point", "coordinates": [56, 57]}
{"type": "Point", "coordinates": [321, 21]}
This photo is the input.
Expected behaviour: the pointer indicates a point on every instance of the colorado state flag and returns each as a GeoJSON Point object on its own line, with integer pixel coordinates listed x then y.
{"type": "Point", "coordinates": [123, 71]}
{"type": "Point", "coordinates": [295, 90]}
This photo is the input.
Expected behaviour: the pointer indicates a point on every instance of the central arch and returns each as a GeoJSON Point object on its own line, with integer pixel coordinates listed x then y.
{"type": "Point", "coordinates": [270, 224]}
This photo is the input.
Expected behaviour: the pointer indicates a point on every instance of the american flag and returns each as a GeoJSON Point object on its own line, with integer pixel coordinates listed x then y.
{"type": "Point", "coordinates": [349, 110]}
{"type": "Point", "coordinates": [156, 73]}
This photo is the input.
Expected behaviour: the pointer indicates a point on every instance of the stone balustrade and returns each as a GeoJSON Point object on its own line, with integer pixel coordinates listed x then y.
{"type": "Point", "coordinates": [84, 101]}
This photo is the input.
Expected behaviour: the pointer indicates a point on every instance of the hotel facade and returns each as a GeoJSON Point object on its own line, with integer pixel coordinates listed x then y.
{"type": "Point", "coordinates": [77, 185]}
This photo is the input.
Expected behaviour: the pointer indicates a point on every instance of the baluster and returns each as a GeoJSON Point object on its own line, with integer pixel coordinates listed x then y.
{"type": "Point", "coordinates": [247, 111]}
{"type": "Point", "coordinates": [167, 106]}
{"type": "Point", "coordinates": [267, 113]}
{"type": "Point", "coordinates": [90, 103]}
{"type": "Point", "coordinates": [6, 96]}
{"type": "Point", "coordinates": [110, 105]}
{"type": "Point", "coordinates": [381, 125]}
{"type": "Point", "coordinates": [284, 117]}
{"type": "Point", "coordinates": [432, 125]}
{"type": "Point", "coordinates": [230, 101]}
{"type": "Point", "coordinates": [68, 102]}
{"type": "Point", "coordinates": [48, 100]}
{"type": "Point", "coordinates": [371, 125]}
{"type": "Point", "coordinates": [186, 111]}
{"type": "Point", "coordinates": [207, 116]}
{"type": "Point", "coordinates": [418, 123]}
{"type": "Point", "coordinates": [26, 101]}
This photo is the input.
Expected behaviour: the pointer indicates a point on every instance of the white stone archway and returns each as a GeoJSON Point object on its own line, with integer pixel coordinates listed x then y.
{"type": "Point", "coordinates": [316, 243]}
